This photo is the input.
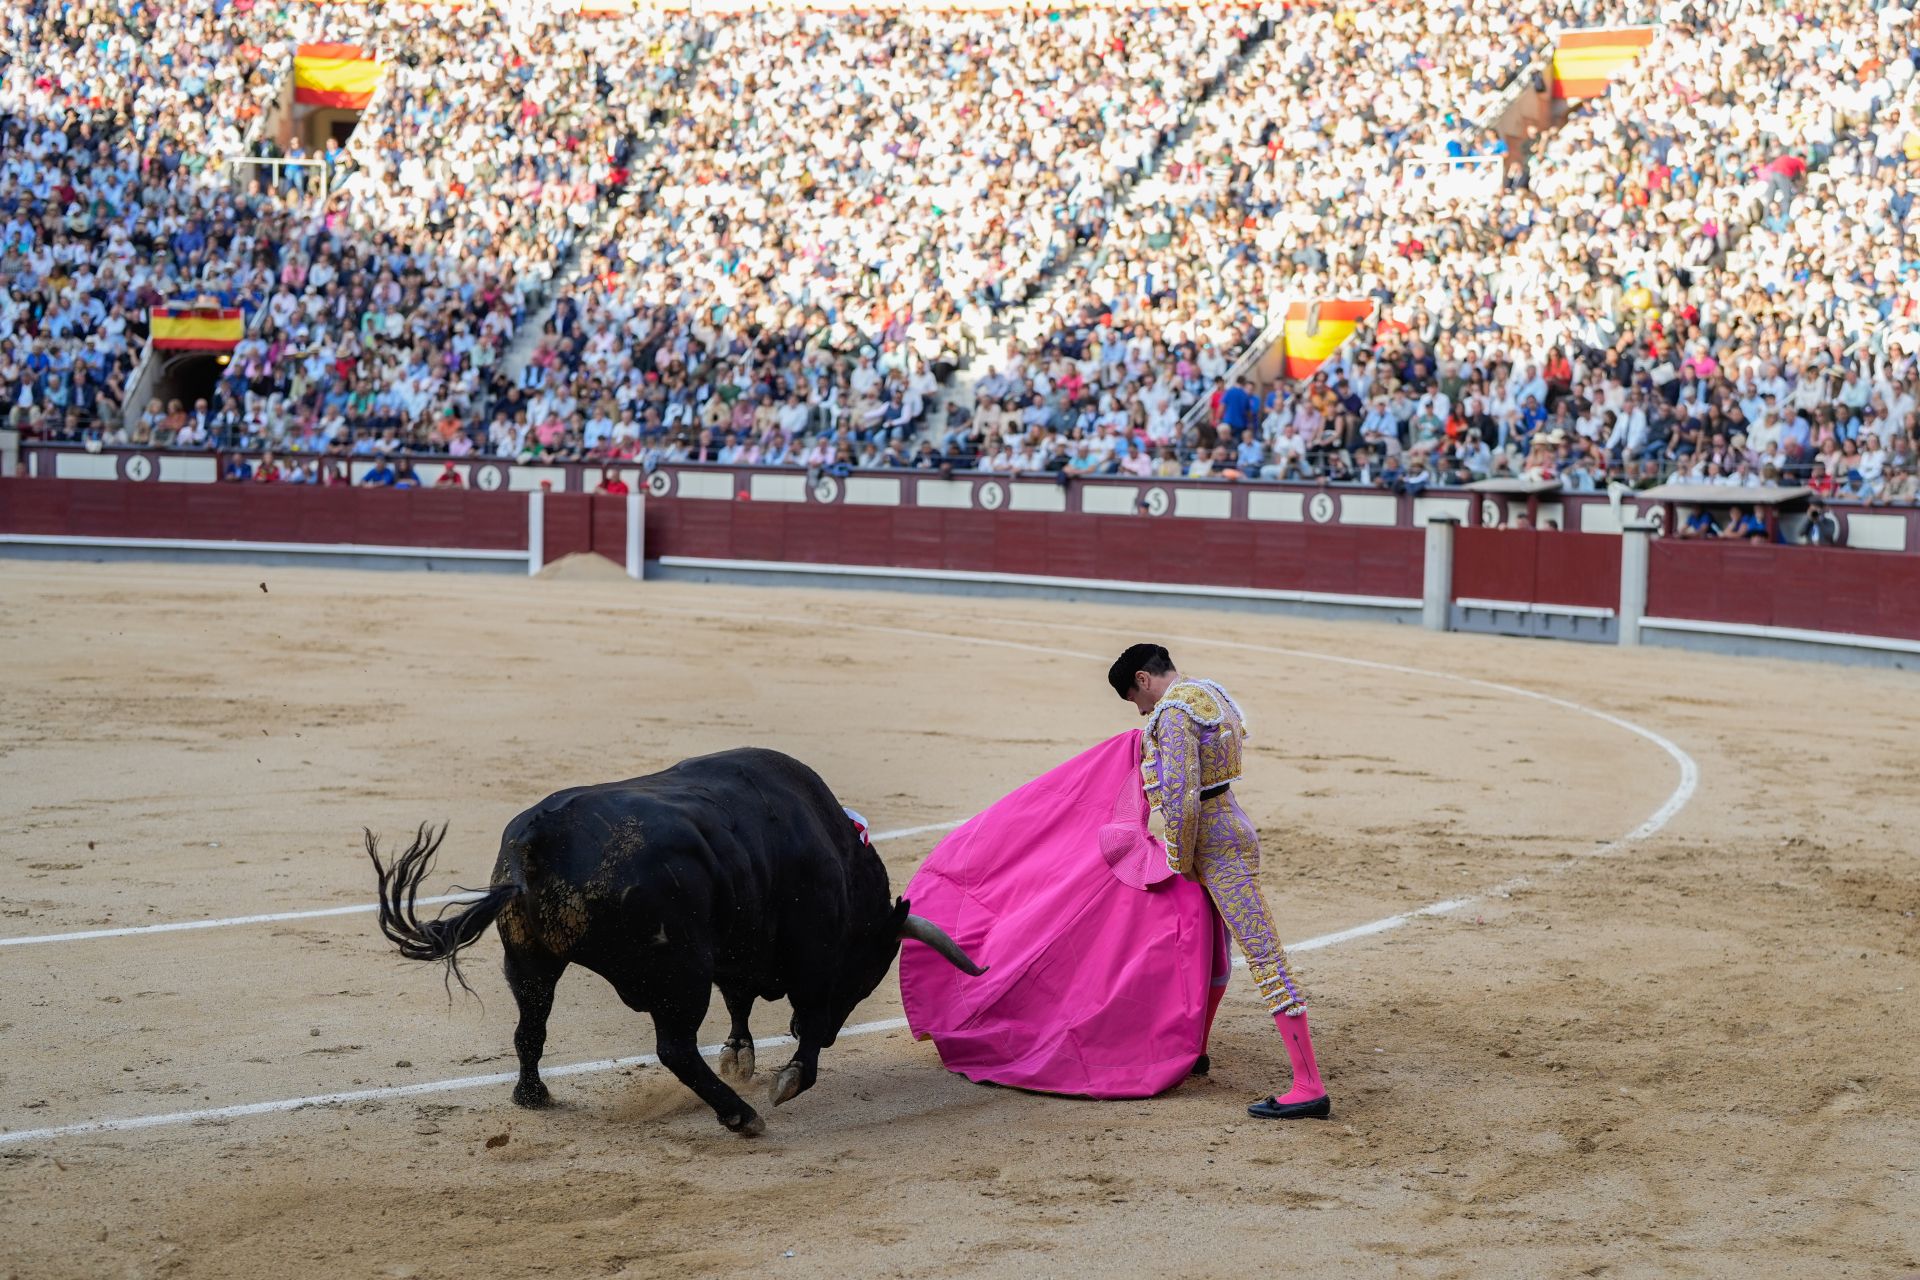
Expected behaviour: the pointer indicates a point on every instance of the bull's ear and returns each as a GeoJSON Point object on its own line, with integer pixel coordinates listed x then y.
{"type": "Point", "coordinates": [900, 913]}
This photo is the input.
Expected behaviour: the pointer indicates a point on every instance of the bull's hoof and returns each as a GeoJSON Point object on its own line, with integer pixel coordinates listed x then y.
{"type": "Point", "coordinates": [736, 1059]}
{"type": "Point", "coordinates": [747, 1125]}
{"type": "Point", "coordinates": [788, 1084]}
{"type": "Point", "coordinates": [532, 1096]}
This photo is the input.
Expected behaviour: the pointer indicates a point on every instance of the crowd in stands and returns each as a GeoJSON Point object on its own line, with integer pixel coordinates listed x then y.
{"type": "Point", "coordinates": [773, 238]}
{"type": "Point", "coordinates": [1715, 281]}
{"type": "Point", "coordinates": [492, 149]}
{"type": "Point", "coordinates": [1307, 148]}
{"type": "Point", "coordinates": [841, 207]}
{"type": "Point", "coordinates": [1725, 222]}
{"type": "Point", "coordinates": [108, 118]}
{"type": "Point", "coordinates": [490, 146]}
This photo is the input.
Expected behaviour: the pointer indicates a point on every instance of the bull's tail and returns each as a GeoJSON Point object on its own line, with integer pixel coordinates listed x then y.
{"type": "Point", "coordinates": [443, 937]}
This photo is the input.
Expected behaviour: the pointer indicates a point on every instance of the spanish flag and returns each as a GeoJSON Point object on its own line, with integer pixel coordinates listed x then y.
{"type": "Point", "coordinates": [334, 75]}
{"type": "Point", "coordinates": [190, 328]}
{"type": "Point", "coordinates": [1586, 62]}
{"type": "Point", "coordinates": [1315, 330]}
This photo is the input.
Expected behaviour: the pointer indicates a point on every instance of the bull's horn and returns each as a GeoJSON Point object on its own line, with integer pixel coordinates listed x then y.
{"type": "Point", "coordinates": [923, 930]}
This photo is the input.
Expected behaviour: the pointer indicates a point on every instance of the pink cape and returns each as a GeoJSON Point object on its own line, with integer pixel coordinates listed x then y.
{"type": "Point", "coordinates": [1099, 956]}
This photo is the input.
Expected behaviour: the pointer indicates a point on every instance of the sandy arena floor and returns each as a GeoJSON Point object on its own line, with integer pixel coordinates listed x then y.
{"type": "Point", "coordinates": [1693, 1055]}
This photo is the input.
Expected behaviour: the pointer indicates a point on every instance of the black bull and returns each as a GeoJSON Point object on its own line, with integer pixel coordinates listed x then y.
{"type": "Point", "coordinates": [738, 870]}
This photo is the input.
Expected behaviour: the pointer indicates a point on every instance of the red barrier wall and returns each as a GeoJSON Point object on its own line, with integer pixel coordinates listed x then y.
{"type": "Point", "coordinates": [569, 525]}
{"type": "Point", "coordinates": [1578, 569]}
{"type": "Point", "coordinates": [1537, 567]}
{"type": "Point", "coordinates": [1229, 553]}
{"type": "Point", "coordinates": [610, 526]}
{"type": "Point", "coordinates": [1862, 528]}
{"type": "Point", "coordinates": [1837, 591]}
{"type": "Point", "coordinates": [577, 522]}
{"type": "Point", "coordinates": [267, 513]}
{"type": "Point", "coordinates": [1868, 593]}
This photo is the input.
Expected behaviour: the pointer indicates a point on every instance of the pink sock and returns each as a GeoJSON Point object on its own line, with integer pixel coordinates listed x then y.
{"type": "Point", "coordinates": [1306, 1072]}
{"type": "Point", "coordinates": [1222, 975]}
{"type": "Point", "coordinates": [1214, 996]}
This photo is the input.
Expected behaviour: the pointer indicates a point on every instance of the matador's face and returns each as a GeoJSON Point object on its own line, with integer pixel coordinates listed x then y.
{"type": "Point", "coordinates": [1146, 690]}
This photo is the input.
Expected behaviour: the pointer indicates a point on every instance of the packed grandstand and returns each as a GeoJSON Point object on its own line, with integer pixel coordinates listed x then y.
{"type": "Point", "coordinates": [1013, 240]}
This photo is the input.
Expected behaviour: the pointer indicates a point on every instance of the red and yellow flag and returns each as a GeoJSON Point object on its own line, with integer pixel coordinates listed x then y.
{"type": "Point", "coordinates": [1315, 330]}
{"type": "Point", "coordinates": [334, 75]}
{"type": "Point", "coordinates": [1586, 62]}
{"type": "Point", "coordinates": [183, 328]}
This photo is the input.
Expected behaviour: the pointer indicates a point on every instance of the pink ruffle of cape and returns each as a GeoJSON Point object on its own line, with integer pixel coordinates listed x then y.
{"type": "Point", "coordinates": [1100, 957]}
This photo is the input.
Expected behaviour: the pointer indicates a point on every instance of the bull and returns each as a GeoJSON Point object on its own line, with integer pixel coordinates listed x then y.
{"type": "Point", "coordinates": [738, 870]}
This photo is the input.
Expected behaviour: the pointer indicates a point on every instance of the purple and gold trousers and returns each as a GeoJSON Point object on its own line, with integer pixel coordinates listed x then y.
{"type": "Point", "coordinates": [1228, 860]}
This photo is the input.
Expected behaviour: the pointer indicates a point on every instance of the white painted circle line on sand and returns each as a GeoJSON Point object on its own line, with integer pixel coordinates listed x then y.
{"type": "Point", "coordinates": [1676, 800]}
{"type": "Point", "coordinates": [1674, 803]}
{"type": "Point", "coordinates": [275, 917]}
{"type": "Point", "coordinates": [216, 1114]}
{"type": "Point", "coordinates": [178, 926]}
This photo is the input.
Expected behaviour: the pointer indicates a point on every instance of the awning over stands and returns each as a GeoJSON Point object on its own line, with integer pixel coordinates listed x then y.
{"type": "Point", "coordinates": [1511, 487]}
{"type": "Point", "coordinates": [1726, 495]}
{"type": "Point", "coordinates": [1767, 500]}
{"type": "Point", "coordinates": [1515, 484]}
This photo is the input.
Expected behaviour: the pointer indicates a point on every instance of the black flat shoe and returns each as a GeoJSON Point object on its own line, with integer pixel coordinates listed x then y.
{"type": "Point", "coordinates": [1202, 1065]}
{"type": "Point", "coordinates": [1268, 1109]}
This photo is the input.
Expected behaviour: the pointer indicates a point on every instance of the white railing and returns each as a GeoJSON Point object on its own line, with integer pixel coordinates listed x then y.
{"type": "Point", "coordinates": [1255, 351]}
{"type": "Point", "coordinates": [277, 172]}
{"type": "Point", "coordinates": [139, 387]}
{"type": "Point", "coordinates": [1444, 179]}
{"type": "Point", "coordinates": [1540, 66]}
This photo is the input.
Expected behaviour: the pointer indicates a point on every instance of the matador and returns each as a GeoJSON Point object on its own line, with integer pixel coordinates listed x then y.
{"type": "Point", "coordinates": [1190, 759]}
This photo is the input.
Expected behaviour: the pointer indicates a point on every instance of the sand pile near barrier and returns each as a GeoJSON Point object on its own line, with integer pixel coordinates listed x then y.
{"type": "Point", "coordinates": [584, 566]}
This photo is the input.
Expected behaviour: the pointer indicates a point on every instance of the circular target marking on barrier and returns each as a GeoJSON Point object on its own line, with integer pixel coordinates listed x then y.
{"type": "Point", "coordinates": [1156, 501]}
{"type": "Point", "coordinates": [1320, 508]}
{"type": "Point", "coordinates": [993, 495]}
{"type": "Point", "coordinates": [1489, 513]}
{"type": "Point", "coordinates": [136, 466]}
{"type": "Point", "coordinates": [826, 489]}
{"type": "Point", "coordinates": [489, 478]}
{"type": "Point", "coordinates": [659, 484]}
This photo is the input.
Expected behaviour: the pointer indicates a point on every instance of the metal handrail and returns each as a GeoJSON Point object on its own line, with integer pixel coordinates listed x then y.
{"type": "Point", "coordinates": [279, 163]}
{"type": "Point", "coordinates": [1274, 331]}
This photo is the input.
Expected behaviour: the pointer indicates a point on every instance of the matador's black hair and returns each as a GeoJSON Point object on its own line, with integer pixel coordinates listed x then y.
{"type": "Point", "coordinates": [1150, 658]}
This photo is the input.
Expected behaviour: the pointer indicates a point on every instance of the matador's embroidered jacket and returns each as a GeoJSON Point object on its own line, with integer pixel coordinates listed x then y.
{"type": "Point", "coordinates": [1192, 742]}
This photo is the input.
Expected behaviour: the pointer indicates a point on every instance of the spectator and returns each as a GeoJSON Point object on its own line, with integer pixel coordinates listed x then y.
{"type": "Point", "coordinates": [1900, 488]}
{"type": "Point", "coordinates": [1743, 525]}
{"type": "Point", "coordinates": [1821, 529]}
{"type": "Point", "coordinates": [1701, 524]}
